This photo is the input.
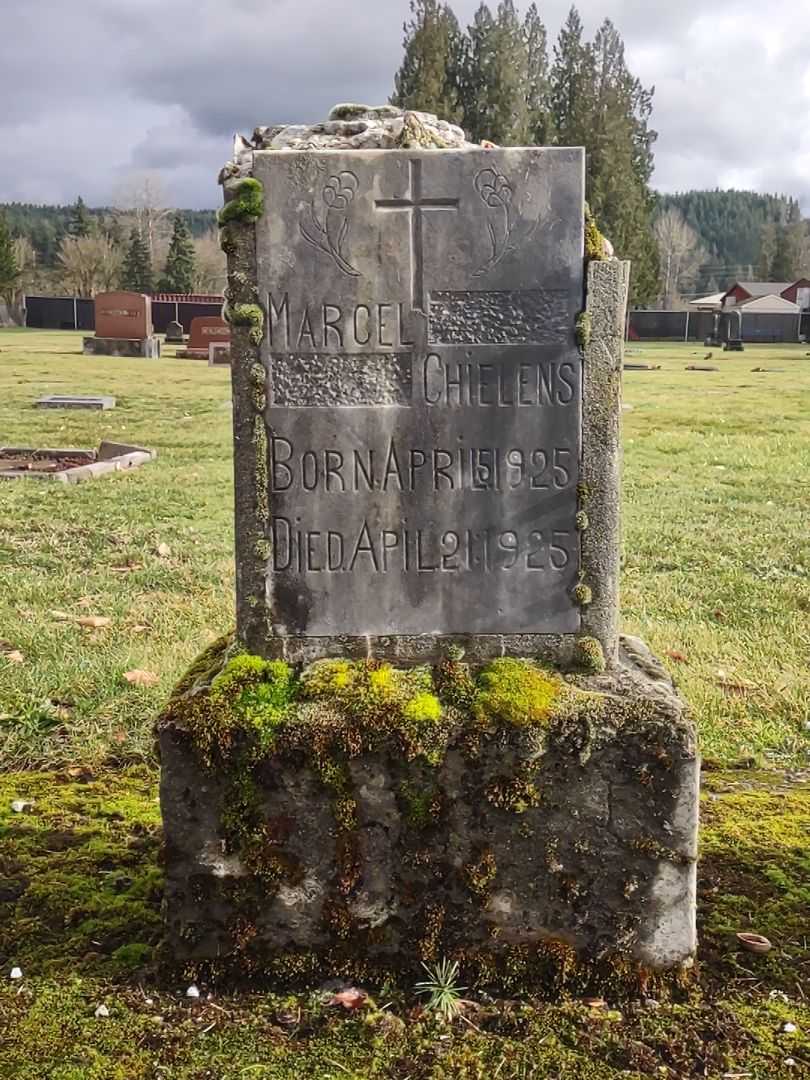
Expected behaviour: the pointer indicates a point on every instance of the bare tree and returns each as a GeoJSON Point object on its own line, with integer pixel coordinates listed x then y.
{"type": "Point", "coordinates": [89, 264]}
{"type": "Point", "coordinates": [680, 253]}
{"type": "Point", "coordinates": [26, 259]}
{"type": "Point", "coordinates": [142, 198]}
{"type": "Point", "coordinates": [210, 264]}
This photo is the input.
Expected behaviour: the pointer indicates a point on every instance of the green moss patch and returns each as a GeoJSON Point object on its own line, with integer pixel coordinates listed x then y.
{"type": "Point", "coordinates": [80, 879]}
{"type": "Point", "coordinates": [247, 203]}
{"type": "Point", "coordinates": [83, 839]}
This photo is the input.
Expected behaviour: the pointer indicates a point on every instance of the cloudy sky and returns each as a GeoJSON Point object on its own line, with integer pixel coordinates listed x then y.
{"type": "Point", "coordinates": [94, 90]}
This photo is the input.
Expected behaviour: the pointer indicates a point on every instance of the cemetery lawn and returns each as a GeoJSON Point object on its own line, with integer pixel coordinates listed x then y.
{"type": "Point", "coordinates": [134, 574]}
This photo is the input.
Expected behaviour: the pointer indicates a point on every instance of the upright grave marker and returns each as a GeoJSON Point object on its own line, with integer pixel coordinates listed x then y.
{"type": "Point", "coordinates": [423, 403]}
{"type": "Point", "coordinates": [123, 322]}
{"type": "Point", "coordinates": [459, 757]}
{"type": "Point", "coordinates": [205, 330]}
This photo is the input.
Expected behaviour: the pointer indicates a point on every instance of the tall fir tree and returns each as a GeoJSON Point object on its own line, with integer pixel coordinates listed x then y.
{"type": "Point", "coordinates": [9, 270]}
{"type": "Point", "coordinates": [178, 276]}
{"type": "Point", "coordinates": [535, 39]}
{"type": "Point", "coordinates": [428, 78]}
{"type": "Point", "coordinates": [768, 243]}
{"type": "Point", "coordinates": [569, 84]}
{"type": "Point", "coordinates": [137, 270]}
{"type": "Point", "coordinates": [494, 92]}
{"type": "Point", "coordinates": [79, 223]}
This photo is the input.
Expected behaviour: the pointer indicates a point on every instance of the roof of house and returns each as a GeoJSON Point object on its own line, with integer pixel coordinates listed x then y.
{"type": "Point", "coordinates": [762, 288]}
{"type": "Point", "coordinates": [769, 304]}
{"type": "Point", "coordinates": [714, 300]}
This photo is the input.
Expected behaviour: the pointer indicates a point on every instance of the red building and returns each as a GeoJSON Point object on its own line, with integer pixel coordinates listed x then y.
{"type": "Point", "coordinates": [797, 292]}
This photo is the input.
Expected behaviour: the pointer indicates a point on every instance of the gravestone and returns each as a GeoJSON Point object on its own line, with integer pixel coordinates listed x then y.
{"type": "Point", "coordinates": [175, 334]}
{"type": "Point", "coordinates": [426, 385]}
{"type": "Point", "coordinates": [204, 330]}
{"type": "Point", "coordinates": [123, 322]}
{"type": "Point", "coordinates": [76, 401]}
{"type": "Point", "coordinates": [219, 353]}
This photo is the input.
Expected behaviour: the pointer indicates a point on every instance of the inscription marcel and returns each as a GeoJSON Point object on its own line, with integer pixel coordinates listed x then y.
{"type": "Point", "coordinates": [332, 326]}
{"type": "Point", "coordinates": [422, 550]}
{"type": "Point", "coordinates": [414, 469]}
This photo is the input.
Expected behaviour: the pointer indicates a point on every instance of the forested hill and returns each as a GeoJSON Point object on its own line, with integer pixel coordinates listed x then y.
{"type": "Point", "coordinates": [729, 224]}
{"type": "Point", "coordinates": [45, 226]}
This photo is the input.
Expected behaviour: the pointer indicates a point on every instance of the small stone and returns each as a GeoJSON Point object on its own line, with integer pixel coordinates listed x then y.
{"type": "Point", "coordinates": [102, 1011]}
{"type": "Point", "coordinates": [19, 806]}
{"type": "Point", "coordinates": [790, 1062]}
{"type": "Point", "coordinates": [16, 973]}
{"type": "Point", "coordinates": [192, 992]}
{"type": "Point", "coordinates": [788, 1028]}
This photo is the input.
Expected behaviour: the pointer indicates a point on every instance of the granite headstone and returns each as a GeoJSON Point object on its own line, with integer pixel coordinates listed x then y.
{"type": "Point", "coordinates": [424, 399]}
{"type": "Point", "coordinates": [123, 324]}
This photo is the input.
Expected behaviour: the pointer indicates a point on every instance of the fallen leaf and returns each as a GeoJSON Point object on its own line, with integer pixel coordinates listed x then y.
{"type": "Point", "coordinates": [119, 737]}
{"type": "Point", "coordinates": [676, 654]}
{"type": "Point", "coordinates": [139, 677]}
{"type": "Point", "coordinates": [164, 551]}
{"type": "Point", "coordinates": [60, 616]}
{"type": "Point", "coordinates": [140, 628]}
{"type": "Point", "coordinates": [14, 656]}
{"type": "Point", "coordinates": [126, 569]}
{"type": "Point", "coordinates": [350, 999]}
{"type": "Point", "coordinates": [85, 601]}
{"type": "Point", "coordinates": [719, 615]}
{"type": "Point", "coordinates": [94, 621]}
{"type": "Point", "coordinates": [733, 684]}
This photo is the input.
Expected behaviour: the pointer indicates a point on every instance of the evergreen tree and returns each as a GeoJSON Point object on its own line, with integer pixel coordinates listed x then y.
{"type": "Point", "coordinates": [768, 242]}
{"type": "Point", "coordinates": [495, 92]}
{"type": "Point", "coordinates": [137, 270]}
{"type": "Point", "coordinates": [178, 277]}
{"type": "Point", "coordinates": [538, 117]}
{"type": "Point", "coordinates": [79, 222]}
{"type": "Point", "coordinates": [9, 270]}
{"type": "Point", "coordinates": [569, 84]}
{"type": "Point", "coordinates": [788, 252]}
{"type": "Point", "coordinates": [428, 78]}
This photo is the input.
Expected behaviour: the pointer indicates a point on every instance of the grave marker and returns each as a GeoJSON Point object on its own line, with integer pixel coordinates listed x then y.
{"type": "Point", "coordinates": [204, 330]}
{"type": "Point", "coordinates": [123, 322]}
{"type": "Point", "coordinates": [426, 400]}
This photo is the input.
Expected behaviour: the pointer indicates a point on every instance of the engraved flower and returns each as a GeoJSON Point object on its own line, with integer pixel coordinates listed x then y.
{"type": "Point", "coordinates": [339, 190]}
{"type": "Point", "coordinates": [494, 188]}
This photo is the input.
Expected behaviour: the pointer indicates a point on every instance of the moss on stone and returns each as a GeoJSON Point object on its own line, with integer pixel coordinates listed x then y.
{"type": "Point", "coordinates": [583, 594]}
{"type": "Point", "coordinates": [594, 240]}
{"type": "Point", "coordinates": [415, 135]}
{"type": "Point", "coordinates": [589, 655]}
{"type": "Point", "coordinates": [516, 691]}
{"type": "Point", "coordinates": [583, 329]}
{"type": "Point", "coordinates": [248, 315]}
{"type": "Point", "coordinates": [246, 203]}
{"type": "Point", "coordinates": [581, 520]}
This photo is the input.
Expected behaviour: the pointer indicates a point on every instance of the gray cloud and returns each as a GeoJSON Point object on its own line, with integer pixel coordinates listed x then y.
{"type": "Point", "coordinates": [95, 90]}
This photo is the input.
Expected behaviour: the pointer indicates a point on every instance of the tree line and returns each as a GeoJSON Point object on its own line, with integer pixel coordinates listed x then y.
{"type": "Point", "coordinates": [141, 245]}
{"type": "Point", "coordinates": [498, 80]}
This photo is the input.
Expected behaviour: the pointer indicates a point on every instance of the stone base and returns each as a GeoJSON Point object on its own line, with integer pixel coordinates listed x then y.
{"type": "Point", "coordinates": [180, 340]}
{"type": "Point", "coordinates": [103, 346]}
{"type": "Point", "coordinates": [192, 354]}
{"type": "Point", "coordinates": [538, 848]}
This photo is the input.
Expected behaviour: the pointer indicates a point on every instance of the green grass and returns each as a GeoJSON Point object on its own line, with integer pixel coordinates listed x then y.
{"type": "Point", "coordinates": [716, 548]}
{"type": "Point", "coordinates": [716, 502]}
{"type": "Point", "coordinates": [80, 891]}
